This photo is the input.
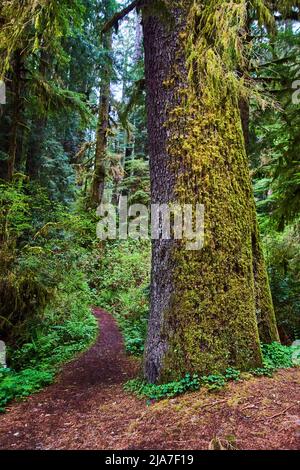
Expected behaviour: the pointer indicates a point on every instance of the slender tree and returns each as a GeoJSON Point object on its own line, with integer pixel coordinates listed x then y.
{"type": "Point", "coordinates": [39, 122]}
{"type": "Point", "coordinates": [204, 304]}
{"type": "Point", "coordinates": [103, 112]}
{"type": "Point", "coordinates": [16, 115]}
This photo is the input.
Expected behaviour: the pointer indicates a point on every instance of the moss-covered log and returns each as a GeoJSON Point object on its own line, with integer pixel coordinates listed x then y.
{"type": "Point", "coordinates": [203, 303]}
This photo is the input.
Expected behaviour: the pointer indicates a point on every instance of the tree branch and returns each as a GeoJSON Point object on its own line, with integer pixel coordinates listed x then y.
{"type": "Point", "coordinates": [276, 61]}
{"type": "Point", "coordinates": [114, 21]}
{"type": "Point", "coordinates": [292, 15]}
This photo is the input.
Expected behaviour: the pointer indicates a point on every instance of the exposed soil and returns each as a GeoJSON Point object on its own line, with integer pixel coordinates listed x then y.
{"type": "Point", "coordinates": [88, 409]}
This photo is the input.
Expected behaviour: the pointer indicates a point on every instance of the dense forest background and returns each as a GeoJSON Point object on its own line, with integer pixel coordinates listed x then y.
{"type": "Point", "coordinates": [75, 124]}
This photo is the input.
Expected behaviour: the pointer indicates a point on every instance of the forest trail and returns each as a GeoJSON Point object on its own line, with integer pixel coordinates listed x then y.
{"type": "Point", "coordinates": [87, 408]}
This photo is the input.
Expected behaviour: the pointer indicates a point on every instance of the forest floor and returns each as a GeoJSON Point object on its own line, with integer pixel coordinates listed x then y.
{"type": "Point", "coordinates": [87, 408]}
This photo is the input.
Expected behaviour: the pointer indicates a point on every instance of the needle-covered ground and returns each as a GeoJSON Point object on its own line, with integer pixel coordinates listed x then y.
{"type": "Point", "coordinates": [87, 408]}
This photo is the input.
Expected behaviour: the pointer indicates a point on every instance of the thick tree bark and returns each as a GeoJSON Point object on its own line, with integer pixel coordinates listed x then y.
{"type": "Point", "coordinates": [245, 117]}
{"type": "Point", "coordinates": [203, 303]}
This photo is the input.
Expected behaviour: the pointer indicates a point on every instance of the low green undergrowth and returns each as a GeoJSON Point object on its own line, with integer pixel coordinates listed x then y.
{"type": "Point", "coordinates": [122, 282]}
{"type": "Point", "coordinates": [158, 392]}
{"type": "Point", "coordinates": [276, 356]}
{"type": "Point", "coordinates": [22, 384]}
{"type": "Point", "coordinates": [53, 336]}
{"type": "Point", "coordinates": [67, 328]}
{"type": "Point", "coordinates": [46, 253]}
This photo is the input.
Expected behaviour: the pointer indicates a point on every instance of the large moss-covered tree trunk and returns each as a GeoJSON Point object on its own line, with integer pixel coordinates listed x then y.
{"type": "Point", "coordinates": [203, 303]}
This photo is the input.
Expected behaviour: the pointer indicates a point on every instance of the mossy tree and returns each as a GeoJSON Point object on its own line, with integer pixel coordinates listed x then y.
{"type": "Point", "coordinates": [103, 124]}
{"type": "Point", "coordinates": [35, 56]}
{"type": "Point", "coordinates": [208, 307]}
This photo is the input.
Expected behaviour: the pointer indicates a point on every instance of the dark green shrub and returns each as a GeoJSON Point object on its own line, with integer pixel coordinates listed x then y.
{"type": "Point", "coordinates": [232, 374]}
{"type": "Point", "coordinates": [123, 286]}
{"type": "Point", "coordinates": [214, 382]}
{"type": "Point", "coordinates": [283, 256]}
{"type": "Point", "coordinates": [19, 385]}
{"type": "Point", "coordinates": [277, 356]}
{"type": "Point", "coordinates": [36, 363]}
{"type": "Point", "coordinates": [159, 392]}
{"type": "Point", "coordinates": [45, 299]}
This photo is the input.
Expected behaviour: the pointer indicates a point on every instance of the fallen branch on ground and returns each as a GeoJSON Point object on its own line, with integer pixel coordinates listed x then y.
{"type": "Point", "coordinates": [277, 414]}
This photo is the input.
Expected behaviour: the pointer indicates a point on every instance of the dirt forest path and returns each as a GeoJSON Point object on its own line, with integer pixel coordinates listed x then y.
{"type": "Point", "coordinates": [87, 408]}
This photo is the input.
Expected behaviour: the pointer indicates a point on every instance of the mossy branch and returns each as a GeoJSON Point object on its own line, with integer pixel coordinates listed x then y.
{"type": "Point", "coordinates": [114, 21]}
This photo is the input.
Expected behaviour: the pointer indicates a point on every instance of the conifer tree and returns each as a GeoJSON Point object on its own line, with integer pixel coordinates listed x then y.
{"type": "Point", "coordinates": [103, 111]}
{"type": "Point", "coordinates": [205, 305]}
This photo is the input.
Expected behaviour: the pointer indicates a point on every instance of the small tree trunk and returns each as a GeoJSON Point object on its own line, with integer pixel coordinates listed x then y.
{"type": "Point", "coordinates": [138, 49]}
{"type": "Point", "coordinates": [16, 114]}
{"type": "Point", "coordinates": [265, 313]}
{"type": "Point", "coordinates": [98, 183]}
{"type": "Point", "coordinates": [37, 137]}
{"type": "Point", "coordinates": [263, 298]}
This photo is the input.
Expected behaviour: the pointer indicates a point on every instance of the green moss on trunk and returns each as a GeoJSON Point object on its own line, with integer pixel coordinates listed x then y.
{"type": "Point", "coordinates": [204, 320]}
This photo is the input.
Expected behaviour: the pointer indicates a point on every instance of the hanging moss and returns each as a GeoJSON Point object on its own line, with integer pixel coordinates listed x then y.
{"type": "Point", "coordinates": [210, 321]}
